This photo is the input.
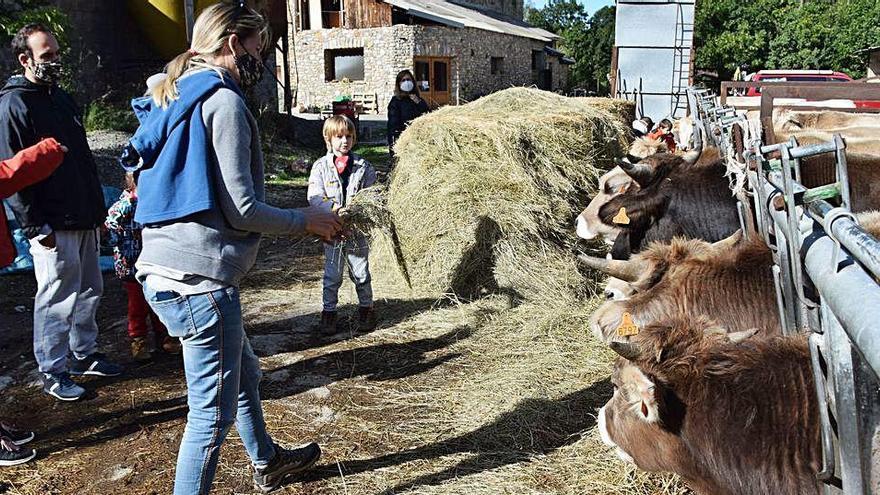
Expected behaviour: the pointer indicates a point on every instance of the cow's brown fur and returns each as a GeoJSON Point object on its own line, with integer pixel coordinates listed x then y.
{"type": "Point", "coordinates": [863, 171]}
{"type": "Point", "coordinates": [733, 286]}
{"type": "Point", "coordinates": [732, 418]}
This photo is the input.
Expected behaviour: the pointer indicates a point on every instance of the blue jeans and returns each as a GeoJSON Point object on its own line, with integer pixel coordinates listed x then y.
{"type": "Point", "coordinates": [222, 379]}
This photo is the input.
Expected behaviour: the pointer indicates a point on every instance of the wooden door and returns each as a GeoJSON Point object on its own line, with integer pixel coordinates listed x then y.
{"type": "Point", "coordinates": [433, 77]}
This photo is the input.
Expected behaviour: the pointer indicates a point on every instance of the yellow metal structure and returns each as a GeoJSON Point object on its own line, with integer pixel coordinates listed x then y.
{"type": "Point", "coordinates": [164, 23]}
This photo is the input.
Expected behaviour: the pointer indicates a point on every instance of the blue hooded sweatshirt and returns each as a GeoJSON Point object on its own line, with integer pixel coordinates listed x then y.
{"type": "Point", "coordinates": [176, 178]}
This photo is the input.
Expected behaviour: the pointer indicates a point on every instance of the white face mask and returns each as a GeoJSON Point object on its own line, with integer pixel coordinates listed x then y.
{"type": "Point", "coordinates": [407, 86]}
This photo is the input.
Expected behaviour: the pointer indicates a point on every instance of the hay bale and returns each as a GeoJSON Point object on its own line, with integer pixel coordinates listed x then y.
{"type": "Point", "coordinates": [484, 196]}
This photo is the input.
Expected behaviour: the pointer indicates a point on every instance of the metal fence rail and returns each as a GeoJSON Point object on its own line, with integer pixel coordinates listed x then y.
{"type": "Point", "coordinates": [826, 268]}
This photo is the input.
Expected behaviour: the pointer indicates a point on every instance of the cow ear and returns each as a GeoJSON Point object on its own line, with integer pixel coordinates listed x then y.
{"type": "Point", "coordinates": [649, 409]}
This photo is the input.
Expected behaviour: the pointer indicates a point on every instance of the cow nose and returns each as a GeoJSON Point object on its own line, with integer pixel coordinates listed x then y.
{"type": "Point", "coordinates": [609, 294]}
{"type": "Point", "coordinates": [583, 230]}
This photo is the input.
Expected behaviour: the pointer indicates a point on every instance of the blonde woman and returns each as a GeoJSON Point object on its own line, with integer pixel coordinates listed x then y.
{"type": "Point", "coordinates": [202, 204]}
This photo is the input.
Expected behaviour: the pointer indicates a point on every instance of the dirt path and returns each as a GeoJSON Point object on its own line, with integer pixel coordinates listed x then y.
{"type": "Point", "coordinates": [444, 397]}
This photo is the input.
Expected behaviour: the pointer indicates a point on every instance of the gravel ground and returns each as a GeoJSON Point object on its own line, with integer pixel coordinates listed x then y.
{"type": "Point", "coordinates": [106, 147]}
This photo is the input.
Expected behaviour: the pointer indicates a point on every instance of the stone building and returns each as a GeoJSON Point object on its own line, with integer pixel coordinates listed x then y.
{"type": "Point", "coordinates": [459, 50]}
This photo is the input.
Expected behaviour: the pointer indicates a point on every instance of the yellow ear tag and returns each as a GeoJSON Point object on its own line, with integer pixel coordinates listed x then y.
{"type": "Point", "coordinates": [621, 218]}
{"type": "Point", "coordinates": [627, 327]}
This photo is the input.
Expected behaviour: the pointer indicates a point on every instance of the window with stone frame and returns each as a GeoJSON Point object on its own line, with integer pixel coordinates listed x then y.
{"type": "Point", "coordinates": [344, 64]}
{"type": "Point", "coordinates": [496, 65]}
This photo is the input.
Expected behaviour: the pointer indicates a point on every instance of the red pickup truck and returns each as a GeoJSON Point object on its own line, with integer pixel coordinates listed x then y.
{"type": "Point", "coordinates": [805, 76]}
{"type": "Point", "coordinates": [795, 76]}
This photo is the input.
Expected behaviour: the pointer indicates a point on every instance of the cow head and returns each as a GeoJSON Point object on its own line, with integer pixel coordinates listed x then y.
{"type": "Point", "coordinates": [612, 184]}
{"type": "Point", "coordinates": [647, 277]}
{"type": "Point", "coordinates": [631, 197]}
{"type": "Point", "coordinates": [645, 415]}
{"type": "Point", "coordinates": [683, 128]}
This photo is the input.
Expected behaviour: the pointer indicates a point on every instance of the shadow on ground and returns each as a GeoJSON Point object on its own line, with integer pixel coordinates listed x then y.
{"type": "Point", "coordinates": [534, 427]}
{"type": "Point", "coordinates": [377, 362]}
{"type": "Point", "coordinates": [306, 335]}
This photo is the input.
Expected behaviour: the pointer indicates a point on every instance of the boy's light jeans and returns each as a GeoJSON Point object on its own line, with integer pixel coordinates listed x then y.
{"type": "Point", "coordinates": [354, 252]}
{"type": "Point", "coordinates": [69, 288]}
{"type": "Point", "coordinates": [222, 380]}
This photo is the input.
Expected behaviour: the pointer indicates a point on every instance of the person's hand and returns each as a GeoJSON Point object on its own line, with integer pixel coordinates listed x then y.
{"type": "Point", "coordinates": [48, 242]}
{"type": "Point", "coordinates": [321, 222]}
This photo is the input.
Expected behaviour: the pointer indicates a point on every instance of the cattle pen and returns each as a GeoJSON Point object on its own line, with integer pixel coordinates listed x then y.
{"type": "Point", "coordinates": [826, 267]}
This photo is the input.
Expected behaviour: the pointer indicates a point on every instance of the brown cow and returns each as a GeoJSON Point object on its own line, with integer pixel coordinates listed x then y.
{"type": "Point", "coordinates": [794, 120]}
{"type": "Point", "coordinates": [730, 281]}
{"type": "Point", "coordinates": [677, 196]}
{"type": "Point", "coordinates": [721, 280]}
{"type": "Point", "coordinates": [730, 417]}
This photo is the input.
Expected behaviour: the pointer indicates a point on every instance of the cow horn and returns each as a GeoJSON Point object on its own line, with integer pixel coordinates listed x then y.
{"type": "Point", "coordinates": [729, 241]}
{"type": "Point", "coordinates": [626, 350]}
{"type": "Point", "coordinates": [628, 271]}
{"type": "Point", "coordinates": [691, 157]}
{"type": "Point", "coordinates": [639, 172]}
{"type": "Point", "coordinates": [737, 337]}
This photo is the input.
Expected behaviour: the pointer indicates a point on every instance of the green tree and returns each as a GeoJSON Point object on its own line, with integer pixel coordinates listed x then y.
{"type": "Point", "coordinates": [588, 40]}
{"type": "Point", "coordinates": [785, 34]}
{"type": "Point", "coordinates": [558, 16]}
{"type": "Point", "coordinates": [15, 14]}
{"type": "Point", "coordinates": [591, 48]}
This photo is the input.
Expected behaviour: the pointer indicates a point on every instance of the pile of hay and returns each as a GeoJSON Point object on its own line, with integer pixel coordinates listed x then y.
{"type": "Point", "coordinates": [484, 196]}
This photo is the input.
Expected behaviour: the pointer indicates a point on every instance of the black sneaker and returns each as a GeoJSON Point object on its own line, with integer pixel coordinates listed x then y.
{"type": "Point", "coordinates": [18, 437]}
{"type": "Point", "coordinates": [94, 364]}
{"type": "Point", "coordinates": [60, 386]}
{"type": "Point", "coordinates": [13, 455]}
{"type": "Point", "coordinates": [285, 463]}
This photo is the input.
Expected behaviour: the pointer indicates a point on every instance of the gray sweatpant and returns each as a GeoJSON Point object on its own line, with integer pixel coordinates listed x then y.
{"type": "Point", "coordinates": [354, 252]}
{"type": "Point", "coordinates": [69, 287]}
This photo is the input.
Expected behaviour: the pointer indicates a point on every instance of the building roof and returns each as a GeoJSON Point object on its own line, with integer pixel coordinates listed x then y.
{"type": "Point", "coordinates": [459, 16]}
{"type": "Point", "coordinates": [563, 58]}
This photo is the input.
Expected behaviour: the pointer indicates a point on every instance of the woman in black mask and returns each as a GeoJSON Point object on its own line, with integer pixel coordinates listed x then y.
{"type": "Point", "coordinates": [404, 107]}
{"type": "Point", "coordinates": [201, 198]}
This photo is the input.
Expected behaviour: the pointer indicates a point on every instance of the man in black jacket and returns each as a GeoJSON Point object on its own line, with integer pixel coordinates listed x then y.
{"type": "Point", "coordinates": [59, 215]}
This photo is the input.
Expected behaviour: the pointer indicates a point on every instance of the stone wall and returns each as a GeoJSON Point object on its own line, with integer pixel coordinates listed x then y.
{"type": "Point", "coordinates": [472, 51]}
{"type": "Point", "coordinates": [387, 51]}
{"type": "Point", "coordinates": [391, 49]}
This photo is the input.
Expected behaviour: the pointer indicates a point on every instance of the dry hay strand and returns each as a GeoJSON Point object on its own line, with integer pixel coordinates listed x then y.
{"type": "Point", "coordinates": [484, 196]}
{"type": "Point", "coordinates": [368, 212]}
{"type": "Point", "coordinates": [512, 411]}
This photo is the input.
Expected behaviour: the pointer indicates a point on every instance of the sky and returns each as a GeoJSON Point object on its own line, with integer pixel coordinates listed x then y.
{"type": "Point", "coordinates": [591, 5]}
